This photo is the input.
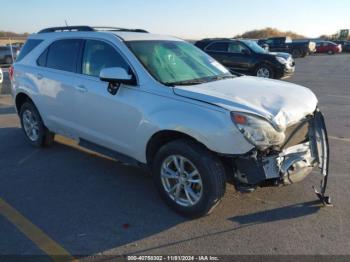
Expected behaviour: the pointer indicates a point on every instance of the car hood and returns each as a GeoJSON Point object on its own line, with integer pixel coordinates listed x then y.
{"type": "Point", "coordinates": [280, 54]}
{"type": "Point", "coordinates": [282, 103]}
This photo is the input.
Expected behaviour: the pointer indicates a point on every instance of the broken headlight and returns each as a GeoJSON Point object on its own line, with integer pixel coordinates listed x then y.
{"type": "Point", "coordinates": [258, 130]}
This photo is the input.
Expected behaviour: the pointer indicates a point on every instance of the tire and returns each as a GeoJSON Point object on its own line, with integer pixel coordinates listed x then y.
{"type": "Point", "coordinates": [296, 53]}
{"type": "Point", "coordinates": [305, 54]}
{"type": "Point", "coordinates": [211, 173]}
{"type": "Point", "coordinates": [330, 52]}
{"type": "Point", "coordinates": [8, 60]}
{"type": "Point", "coordinates": [261, 68]}
{"type": "Point", "coordinates": [41, 137]}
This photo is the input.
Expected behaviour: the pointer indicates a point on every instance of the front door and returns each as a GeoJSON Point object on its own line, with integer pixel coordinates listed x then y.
{"type": "Point", "coordinates": [239, 57]}
{"type": "Point", "coordinates": [105, 119]}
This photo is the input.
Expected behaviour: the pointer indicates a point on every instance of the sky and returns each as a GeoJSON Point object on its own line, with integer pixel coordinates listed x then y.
{"type": "Point", "coordinates": [190, 19]}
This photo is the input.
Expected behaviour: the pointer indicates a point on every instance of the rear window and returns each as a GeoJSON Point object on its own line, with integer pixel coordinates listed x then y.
{"type": "Point", "coordinates": [63, 55]}
{"type": "Point", "coordinates": [27, 48]}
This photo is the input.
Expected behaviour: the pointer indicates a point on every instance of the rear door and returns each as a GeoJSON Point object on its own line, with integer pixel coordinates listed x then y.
{"type": "Point", "coordinates": [323, 47]}
{"type": "Point", "coordinates": [218, 50]}
{"type": "Point", "coordinates": [55, 73]}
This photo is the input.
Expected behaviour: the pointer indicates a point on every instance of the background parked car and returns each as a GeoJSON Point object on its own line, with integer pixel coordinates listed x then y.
{"type": "Point", "coordinates": [344, 44]}
{"type": "Point", "coordinates": [328, 47]}
{"type": "Point", "coordinates": [247, 57]}
{"type": "Point", "coordinates": [5, 54]}
{"type": "Point", "coordinates": [285, 44]}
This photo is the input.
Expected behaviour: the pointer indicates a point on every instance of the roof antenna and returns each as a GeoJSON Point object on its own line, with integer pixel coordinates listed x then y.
{"type": "Point", "coordinates": [65, 21]}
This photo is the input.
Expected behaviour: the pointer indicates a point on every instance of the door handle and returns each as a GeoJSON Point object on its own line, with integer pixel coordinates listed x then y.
{"type": "Point", "coordinates": [81, 88]}
{"type": "Point", "coordinates": [39, 76]}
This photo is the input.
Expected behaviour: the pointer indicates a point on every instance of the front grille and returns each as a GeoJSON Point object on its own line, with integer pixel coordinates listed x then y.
{"type": "Point", "coordinates": [297, 134]}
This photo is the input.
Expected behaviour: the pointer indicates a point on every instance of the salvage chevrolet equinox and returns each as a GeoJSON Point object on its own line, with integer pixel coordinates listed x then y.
{"type": "Point", "coordinates": [160, 102]}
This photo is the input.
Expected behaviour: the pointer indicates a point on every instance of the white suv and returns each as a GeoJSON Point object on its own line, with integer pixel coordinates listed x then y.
{"type": "Point", "coordinates": [160, 102]}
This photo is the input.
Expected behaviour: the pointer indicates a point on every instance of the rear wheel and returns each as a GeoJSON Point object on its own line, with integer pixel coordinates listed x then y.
{"type": "Point", "coordinates": [330, 52]}
{"type": "Point", "coordinates": [37, 134]}
{"type": "Point", "coordinates": [264, 71]}
{"type": "Point", "coordinates": [190, 179]}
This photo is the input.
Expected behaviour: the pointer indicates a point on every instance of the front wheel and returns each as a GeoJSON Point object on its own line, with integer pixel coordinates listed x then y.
{"type": "Point", "coordinates": [190, 179]}
{"type": "Point", "coordinates": [37, 134]}
{"type": "Point", "coordinates": [264, 71]}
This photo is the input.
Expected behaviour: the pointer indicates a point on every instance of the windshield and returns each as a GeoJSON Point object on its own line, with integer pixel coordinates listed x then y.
{"type": "Point", "coordinates": [177, 62]}
{"type": "Point", "coordinates": [255, 47]}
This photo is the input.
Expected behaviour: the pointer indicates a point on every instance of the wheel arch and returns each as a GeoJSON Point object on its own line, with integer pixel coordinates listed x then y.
{"type": "Point", "coordinates": [264, 62]}
{"type": "Point", "coordinates": [20, 99]}
{"type": "Point", "coordinates": [163, 137]}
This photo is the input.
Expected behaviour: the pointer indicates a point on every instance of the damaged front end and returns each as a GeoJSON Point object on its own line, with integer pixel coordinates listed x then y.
{"type": "Point", "coordinates": [305, 146]}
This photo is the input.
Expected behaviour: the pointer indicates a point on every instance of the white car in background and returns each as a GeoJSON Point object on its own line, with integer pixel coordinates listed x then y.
{"type": "Point", "coordinates": [1, 77]}
{"type": "Point", "coordinates": [160, 102]}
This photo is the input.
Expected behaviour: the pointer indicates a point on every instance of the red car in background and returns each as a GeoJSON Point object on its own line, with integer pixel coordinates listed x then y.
{"type": "Point", "coordinates": [328, 47]}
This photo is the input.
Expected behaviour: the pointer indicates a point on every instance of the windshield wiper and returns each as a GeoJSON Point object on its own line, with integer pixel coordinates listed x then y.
{"type": "Point", "coordinates": [185, 83]}
{"type": "Point", "coordinates": [220, 77]}
{"type": "Point", "coordinates": [198, 81]}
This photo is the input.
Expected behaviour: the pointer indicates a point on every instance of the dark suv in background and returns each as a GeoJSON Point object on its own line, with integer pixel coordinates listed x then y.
{"type": "Point", "coordinates": [247, 57]}
{"type": "Point", "coordinates": [298, 48]}
{"type": "Point", "coordinates": [6, 54]}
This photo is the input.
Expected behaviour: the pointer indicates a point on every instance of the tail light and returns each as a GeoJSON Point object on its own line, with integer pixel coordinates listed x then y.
{"type": "Point", "coordinates": [11, 71]}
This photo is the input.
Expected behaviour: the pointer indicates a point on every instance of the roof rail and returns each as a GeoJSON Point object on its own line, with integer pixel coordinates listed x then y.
{"type": "Point", "coordinates": [216, 38]}
{"type": "Point", "coordinates": [66, 28]}
{"type": "Point", "coordinates": [116, 29]}
{"type": "Point", "coordinates": [89, 29]}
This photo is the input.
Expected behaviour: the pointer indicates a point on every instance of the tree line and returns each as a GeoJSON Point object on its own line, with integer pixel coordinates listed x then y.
{"type": "Point", "coordinates": [273, 32]}
{"type": "Point", "coordinates": [12, 34]}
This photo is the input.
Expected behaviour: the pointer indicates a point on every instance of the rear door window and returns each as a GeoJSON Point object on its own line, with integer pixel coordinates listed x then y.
{"type": "Point", "coordinates": [99, 55]}
{"type": "Point", "coordinates": [63, 55]}
{"type": "Point", "coordinates": [218, 47]}
{"type": "Point", "coordinates": [27, 48]}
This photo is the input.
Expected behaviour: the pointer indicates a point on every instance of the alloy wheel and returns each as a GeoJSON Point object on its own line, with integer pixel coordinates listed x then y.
{"type": "Point", "coordinates": [263, 72]}
{"type": "Point", "coordinates": [30, 125]}
{"type": "Point", "coordinates": [181, 180]}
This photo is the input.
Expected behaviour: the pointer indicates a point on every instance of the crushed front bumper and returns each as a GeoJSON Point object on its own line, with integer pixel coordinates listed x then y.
{"type": "Point", "coordinates": [293, 162]}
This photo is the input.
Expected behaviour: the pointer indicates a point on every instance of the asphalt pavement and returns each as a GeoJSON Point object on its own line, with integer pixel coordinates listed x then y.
{"type": "Point", "coordinates": [87, 204]}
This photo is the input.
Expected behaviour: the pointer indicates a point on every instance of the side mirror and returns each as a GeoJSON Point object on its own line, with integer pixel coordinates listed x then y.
{"type": "Point", "coordinates": [115, 76]}
{"type": "Point", "coordinates": [266, 47]}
